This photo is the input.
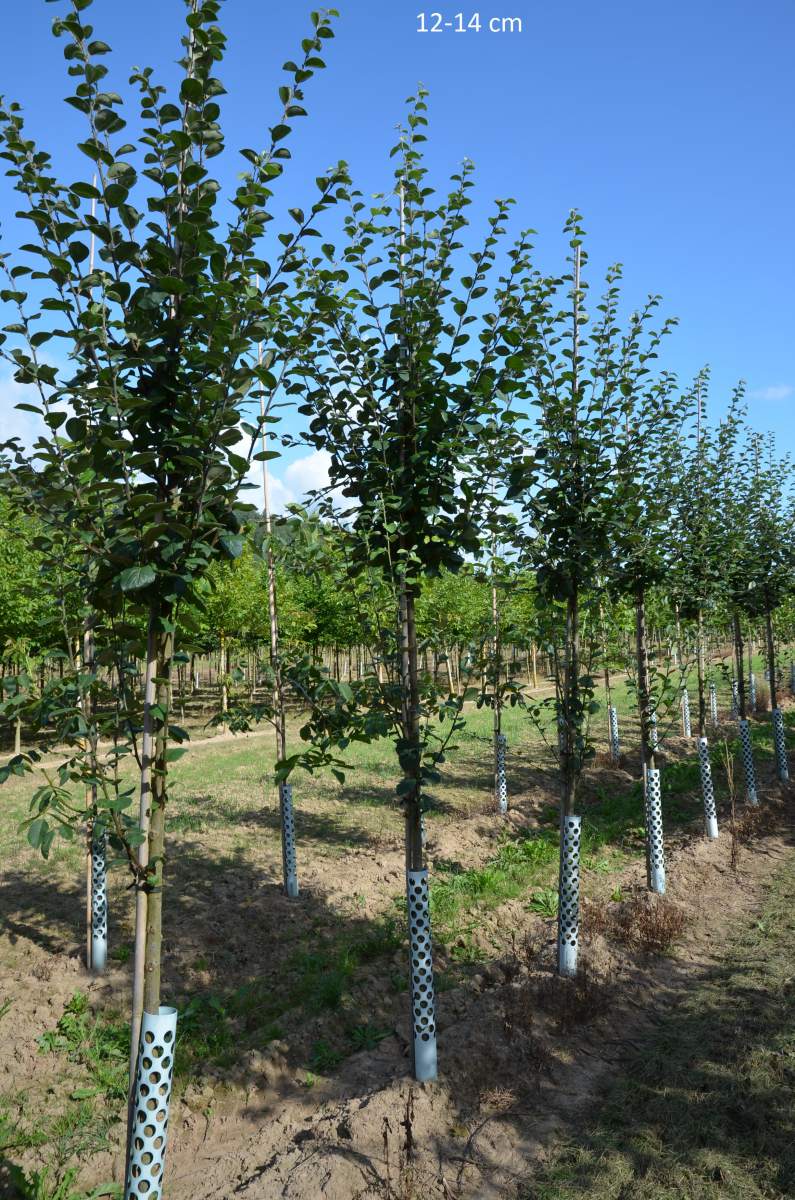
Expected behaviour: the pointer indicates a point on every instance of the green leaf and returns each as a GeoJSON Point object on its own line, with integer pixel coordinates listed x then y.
{"type": "Point", "coordinates": [135, 578]}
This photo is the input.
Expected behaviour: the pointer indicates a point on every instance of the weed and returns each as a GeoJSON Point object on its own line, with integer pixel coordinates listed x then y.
{"type": "Point", "coordinates": [100, 1044]}
{"type": "Point", "coordinates": [544, 902]}
{"type": "Point", "coordinates": [617, 895]}
{"type": "Point", "coordinates": [4, 1007]}
{"type": "Point", "coordinates": [121, 954]}
{"type": "Point", "coordinates": [324, 1058]}
{"type": "Point", "coordinates": [366, 1037]}
{"type": "Point", "coordinates": [650, 923]}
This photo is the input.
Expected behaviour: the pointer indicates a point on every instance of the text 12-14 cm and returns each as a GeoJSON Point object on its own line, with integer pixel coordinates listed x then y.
{"type": "Point", "coordinates": [435, 22]}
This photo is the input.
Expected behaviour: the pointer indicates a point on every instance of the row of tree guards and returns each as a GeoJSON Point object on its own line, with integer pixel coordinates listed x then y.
{"type": "Point", "coordinates": [474, 420]}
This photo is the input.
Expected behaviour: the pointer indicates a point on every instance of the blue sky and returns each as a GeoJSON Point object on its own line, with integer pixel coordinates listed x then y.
{"type": "Point", "coordinates": [670, 126]}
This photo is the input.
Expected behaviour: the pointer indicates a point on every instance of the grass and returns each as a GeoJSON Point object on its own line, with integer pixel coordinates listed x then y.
{"type": "Point", "coordinates": [705, 1111]}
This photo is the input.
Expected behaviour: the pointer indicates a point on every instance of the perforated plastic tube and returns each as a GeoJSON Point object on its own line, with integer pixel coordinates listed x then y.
{"type": "Point", "coordinates": [752, 691]}
{"type": "Point", "coordinates": [654, 832]}
{"type": "Point", "coordinates": [686, 728]}
{"type": "Point", "coordinates": [707, 789]}
{"type": "Point", "coordinates": [99, 901]}
{"type": "Point", "coordinates": [422, 998]}
{"type": "Point", "coordinates": [288, 840]}
{"type": "Point", "coordinates": [615, 745]}
{"type": "Point", "coordinates": [780, 744]}
{"type": "Point", "coordinates": [747, 755]}
{"type": "Point", "coordinates": [501, 782]}
{"type": "Point", "coordinates": [152, 1099]}
{"type": "Point", "coordinates": [735, 698]}
{"type": "Point", "coordinates": [569, 895]}
{"type": "Point", "coordinates": [654, 738]}
{"type": "Point", "coordinates": [713, 704]}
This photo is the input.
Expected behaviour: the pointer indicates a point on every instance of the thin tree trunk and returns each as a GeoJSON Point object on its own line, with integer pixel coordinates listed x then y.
{"type": "Point", "coordinates": [702, 704]}
{"type": "Point", "coordinates": [411, 725]}
{"type": "Point", "coordinates": [771, 659]}
{"type": "Point", "coordinates": [448, 664]}
{"type": "Point", "coordinates": [157, 829]}
{"type": "Point", "coordinates": [144, 818]}
{"type": "Point", "coordinates": [644, 687]}
{"type": "Point", "coordinates": [571, 705]}
{"type": "Point", "coordinates": [738, 657]}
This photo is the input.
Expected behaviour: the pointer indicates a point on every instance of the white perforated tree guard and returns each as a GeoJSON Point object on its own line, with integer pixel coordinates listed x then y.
{"type": "Point", "coordinates": [735, 698]}
{"type": "Point", "coordinates": [288, 840]}
{"type": "Point", "coordinates": [654, 832]}
{"type": "Point", "coordinates": [752, 691]}
{"type": "Point", "coordinates": [707, 789]}
{"type": "Point", "coordinates": [423, 831]}
{"type": "Point", "coordinates": [780, 744]}
{"type": "Point", "coordinates": [150, 1113]}
{"type": "Point", "coordinates": [654, 740]}
{"type": "Point", "coordinates": [422, 1001]}
{"type": "Point", "coordinates": [615, 745]}
{"type": "Point", "coordinates": [747, 755]}
{"type": "Point", "coordinates": [686, 727]}
{"type": "Point", "coordinates": [713, 705]}
{"type": "Point", "coordinates": [501, 782]}
{"type": "Point", "coordinates": [569, 895]}
{"type": "Point", "coordinates": [99, 901]}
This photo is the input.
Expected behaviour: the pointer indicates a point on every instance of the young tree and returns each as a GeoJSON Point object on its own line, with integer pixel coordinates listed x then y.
{"type": "Point", "coordinates": [400, 377]}
{"type": "Point", "coordinates": [159, 338]}
{"type": "Point", "coordinates": [595, 405]}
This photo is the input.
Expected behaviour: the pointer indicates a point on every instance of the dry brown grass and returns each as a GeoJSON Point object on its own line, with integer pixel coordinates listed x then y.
{"type": "Point", "coordinates": [649, 923]}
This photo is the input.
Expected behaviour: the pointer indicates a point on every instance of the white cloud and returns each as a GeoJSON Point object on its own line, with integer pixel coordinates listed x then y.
{"type": "Point", "coordinates": [776, 391]}
{"type": "Point", "coordinates": [290, 484]}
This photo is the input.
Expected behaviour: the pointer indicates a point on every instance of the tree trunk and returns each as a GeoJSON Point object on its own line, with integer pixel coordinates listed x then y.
{"type": "Point", "coordinates": [571, 706]}
{"type": "Point", "coordinates": [702, 704]}
{"type": "Point", "coordinates": [410, 700]}
{"type": "Point", "coordinates": [224, 664]}
{"type": "Point", "coordinates": [738, 657]}
{"type": "Point", "coordinates": [164, 648]}
{"type": "Point", "coordinates": [771, 659]}
{"type": "Point", "coordinates": [449, 666]}
{"type": "Point", "coordinates": [644, 687]}
{"type": "Point", "coordinates": [144, 818]}
{"type": "Point", "coordinates": [496, 658]}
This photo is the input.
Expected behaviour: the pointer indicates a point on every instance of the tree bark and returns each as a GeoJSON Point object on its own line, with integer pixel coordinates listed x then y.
{"type": "Point", "coordinates": [738, 656]}
{"type": "Point", "coordinates": [571, 705]}
{"type": "Point", "coordinates": [164, 644]}
{"type": "Point", "coordinates": [409, 754]}
{"type": "Point", "coordinates": [771, 659]}
{"type": "Point", "coordinates": [142, 863]}
{"type": "Point", "coordinates": [702, 704]}
{"type": "Point", "coordinates": [644, 687]}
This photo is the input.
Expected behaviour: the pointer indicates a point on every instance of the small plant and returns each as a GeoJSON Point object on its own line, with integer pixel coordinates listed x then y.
{"type": "Point", "coordinates": [99, 1044]}
{"type": "Point", "coordinates": [651, 923]}
{"type": "Point", "coordinates": [366, 1037]}
{"type": "Point", "coordinates": [324, 1058]}
{"type": "Point", "coordinates": [121, 954]}
{"type": "Point", "coordinates": [544, 902]}
{"type": "Point", "coordinates": [617, 895]}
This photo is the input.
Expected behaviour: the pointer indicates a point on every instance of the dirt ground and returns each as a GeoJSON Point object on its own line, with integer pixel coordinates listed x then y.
{"type": "Point", "coordinates": [521, 1058]}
